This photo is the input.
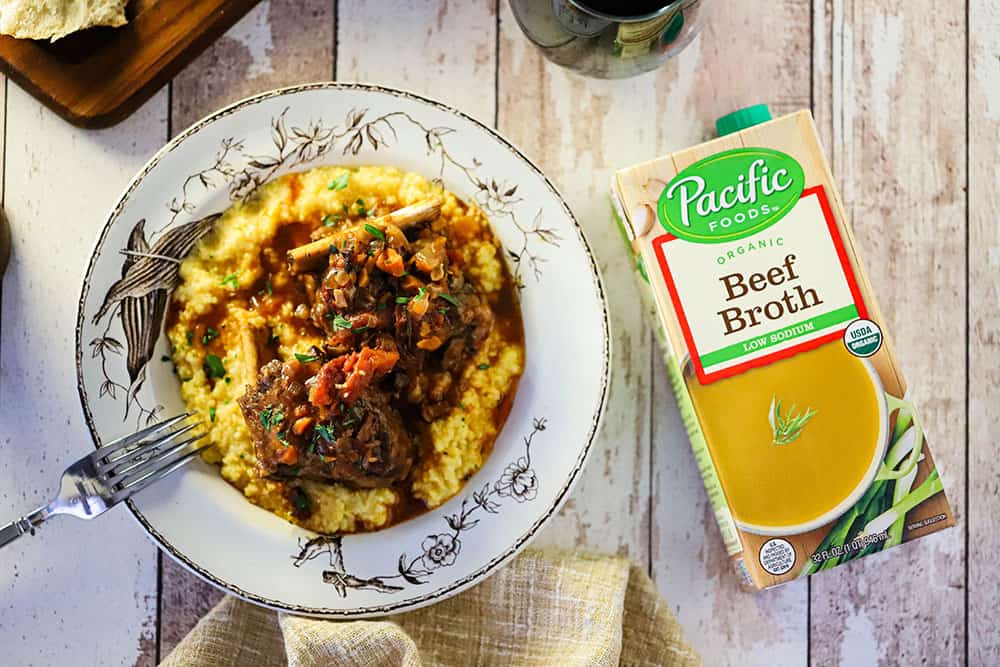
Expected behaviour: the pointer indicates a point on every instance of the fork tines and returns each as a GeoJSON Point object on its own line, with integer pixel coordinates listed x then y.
{"type": "Point", "coordinates": [130, 464]}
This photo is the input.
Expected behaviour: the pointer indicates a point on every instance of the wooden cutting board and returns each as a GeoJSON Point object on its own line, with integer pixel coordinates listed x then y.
{"type": "Point", "coordinates": [97, 77]}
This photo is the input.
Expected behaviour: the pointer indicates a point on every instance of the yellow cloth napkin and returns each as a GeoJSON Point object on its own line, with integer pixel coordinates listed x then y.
{"type": "Point", "coordinates": [544, 608]}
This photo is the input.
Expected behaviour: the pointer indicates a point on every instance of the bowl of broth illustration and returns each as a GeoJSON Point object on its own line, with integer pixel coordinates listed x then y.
{"type": "Point", "coordinates": [797, 442]}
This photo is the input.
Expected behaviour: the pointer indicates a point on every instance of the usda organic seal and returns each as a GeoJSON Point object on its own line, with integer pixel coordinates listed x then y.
{"type": "Point", "coordinates": [863, 338]}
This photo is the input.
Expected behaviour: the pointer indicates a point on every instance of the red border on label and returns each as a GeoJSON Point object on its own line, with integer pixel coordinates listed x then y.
{"type": "Point", "coordinates": [845, 264]}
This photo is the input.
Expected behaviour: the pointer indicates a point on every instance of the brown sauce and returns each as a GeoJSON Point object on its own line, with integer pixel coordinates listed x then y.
{"type": "Point", "coordinates": [294, 187]}
{"type": "Point", "coordinates": [407, 507]}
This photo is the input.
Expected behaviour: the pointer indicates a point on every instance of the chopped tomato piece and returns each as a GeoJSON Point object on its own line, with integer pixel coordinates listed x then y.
{"type": "Point", "coordinates": [301, 424]}
{"type": "Point", "coordinates": [431, 343]}
{"type": "Point", "coordinates": [418, 305]}
{"type": "Point", "coordinates": [345, 378]}
{"type": "Point", "coordinates": [391, 262]}
{"type": "Point", "coordinates": [289, 456]}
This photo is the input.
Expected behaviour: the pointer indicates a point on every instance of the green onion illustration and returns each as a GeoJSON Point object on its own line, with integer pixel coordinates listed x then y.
{"type": "Point", "coordinates": [884, 506]}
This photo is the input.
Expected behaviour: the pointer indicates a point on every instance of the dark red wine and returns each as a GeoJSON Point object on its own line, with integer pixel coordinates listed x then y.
{"type": "Point", "coordinates": [624, 9]}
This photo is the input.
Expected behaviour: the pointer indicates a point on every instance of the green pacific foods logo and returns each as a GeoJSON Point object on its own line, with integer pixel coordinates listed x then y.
{"type": "Point", "coordinates": [730, 195]}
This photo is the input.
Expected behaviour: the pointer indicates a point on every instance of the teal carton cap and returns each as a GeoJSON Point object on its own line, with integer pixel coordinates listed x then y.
{"type": "Point", "coordinates": [743, 118]}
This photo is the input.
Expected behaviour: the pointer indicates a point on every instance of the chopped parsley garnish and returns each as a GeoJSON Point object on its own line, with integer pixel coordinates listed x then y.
{"type": "Point", "coordinates": [211, 414]}
{"type": "Point", "coordinates": [402, 299]}
{"type": "Point", "coordinates": [189, 336]}
{"type": "Point", "coordinates": [209, 335]}
{"type": "Point", "coordinates": [340, 322]}
{"type": "Point", "coordinates": [326, 432]}
{"type": "Point", "coordinates": [340, 182]}
{"type": "Point", "coordinates": [362, 211]}
{"type": "Point", "coordinates": [483, 367]}
{"type": "Point", "coordinates": [382, 305]}
{"type": "Point", "coordinates": [307, 358]}
{"type": "Point", "coordinates": [420, 294]}
{"type": "Point", "coordinates": [270, 417]}
{"type": "Point", "coordinates": [267, 286]}
{"type": "Point", "coordinates": [283, 438]}
{"type": "Point", "coordinates": [329, 220]}
{"type": "Point", "coordinates": [214, 367]}
{"type": "Point", "coordinates": [350, 421]}
{"type": "Point", "coordinates": [232, 280]}
{"type": "Point", "coordinates": [301, 500]}
{"type": "Point", "coordinates": [449, 298]}
{"type": "Point", "coordinates": [361, 329]}
{"type": "Point", "coordinates": [375, 231]}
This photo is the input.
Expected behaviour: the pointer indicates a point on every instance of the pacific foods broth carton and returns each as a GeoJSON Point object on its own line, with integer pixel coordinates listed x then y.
{"type": "Point", "coordinates": [776, 348]}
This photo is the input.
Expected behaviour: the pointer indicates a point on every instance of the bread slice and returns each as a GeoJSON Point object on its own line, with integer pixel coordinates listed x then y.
{"type": "Point", "coordinates": [53, 19]}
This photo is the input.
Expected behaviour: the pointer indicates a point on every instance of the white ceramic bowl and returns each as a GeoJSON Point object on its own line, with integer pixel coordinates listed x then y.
{"type": "Point", "coordinates": [206, 524]}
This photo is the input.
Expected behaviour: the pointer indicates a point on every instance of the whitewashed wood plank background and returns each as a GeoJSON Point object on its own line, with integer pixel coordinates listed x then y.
{"type": "Point", "coordinates": [898, 154]}
{"type": "Point", "coordinates": [983, 253]}
{"type": "Point", "coordinates": [907, 98]}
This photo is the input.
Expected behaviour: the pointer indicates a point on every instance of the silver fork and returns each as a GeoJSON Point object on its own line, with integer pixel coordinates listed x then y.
{"type": "Point", "coordinates": [115, 472]}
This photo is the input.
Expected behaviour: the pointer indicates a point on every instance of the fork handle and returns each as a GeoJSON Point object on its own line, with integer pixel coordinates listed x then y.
{"type": "Point", "coordinates": [14, 530]}
{"type": "Point", "coordinates": [26, 524]}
